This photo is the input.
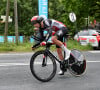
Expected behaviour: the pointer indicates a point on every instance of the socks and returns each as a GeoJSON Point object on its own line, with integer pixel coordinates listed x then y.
{"type": "Point", "coordinates": [67, 52]}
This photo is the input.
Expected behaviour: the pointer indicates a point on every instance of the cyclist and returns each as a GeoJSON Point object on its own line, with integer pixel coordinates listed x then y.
{"type": "Point", "coordinates": [60, 30]}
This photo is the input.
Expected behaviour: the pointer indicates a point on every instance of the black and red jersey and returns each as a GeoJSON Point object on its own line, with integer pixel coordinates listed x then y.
{"type": "Point", "coordinates": [54, 24]}
{"type": "Point", "coordinates": [51, 25]}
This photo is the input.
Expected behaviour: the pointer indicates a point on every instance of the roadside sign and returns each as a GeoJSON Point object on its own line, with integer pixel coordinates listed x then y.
{"type": "Point", "coordinates": [43, 8]}
{"type": "Point", "coordinates": [4, 18]}
{"type": "Point", "coordinates": [72, 17]}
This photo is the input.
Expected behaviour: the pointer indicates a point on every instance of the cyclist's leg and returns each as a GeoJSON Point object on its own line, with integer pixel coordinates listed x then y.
{"type": "Point", "coordinates": [60, 55]}
{"type": "Point", "coordinates": [58, 38]}
{"type": "Point", "coordinates": [59, 49]}
{"type": "Point", "coordinates": [58, 41]}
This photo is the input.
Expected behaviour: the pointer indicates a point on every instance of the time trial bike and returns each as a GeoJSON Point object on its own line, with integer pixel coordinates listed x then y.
{"type": "Point", "coordinates": [43, 63]}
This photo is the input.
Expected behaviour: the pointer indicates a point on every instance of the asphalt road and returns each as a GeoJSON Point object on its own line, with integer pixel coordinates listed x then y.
{"type": "Point", "coordinates": [15, 74]}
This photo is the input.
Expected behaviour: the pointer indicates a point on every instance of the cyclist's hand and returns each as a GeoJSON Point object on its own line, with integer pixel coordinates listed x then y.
{"type": "Point", "coordinates": [43, 43]}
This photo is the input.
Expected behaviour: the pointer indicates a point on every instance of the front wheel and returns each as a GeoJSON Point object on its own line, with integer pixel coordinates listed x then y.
{"type": "Point", "coordinates": [43, 66]}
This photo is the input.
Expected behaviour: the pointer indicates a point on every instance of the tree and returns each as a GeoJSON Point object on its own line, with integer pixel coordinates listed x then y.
{"type": "Point", "coordinates": [16, 20]}
{"type": "Point", "coordinates": [58, 9]}
{"type": "Point", "coordinates": [94, 10]}
{"type": "Point", "coordinates": [6, 23]}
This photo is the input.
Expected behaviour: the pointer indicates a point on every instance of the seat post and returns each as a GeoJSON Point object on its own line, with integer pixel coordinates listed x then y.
{"type": "Point", "coordinates": [64, 41]}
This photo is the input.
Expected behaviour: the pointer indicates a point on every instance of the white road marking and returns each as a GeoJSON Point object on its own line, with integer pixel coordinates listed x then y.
{"type": "Point", "coordinates": [93, 61]}
{"type": "Point", "coordinates": [13, 64]}
{"type": "Point", "coordinates": [98, 51]}
{"type": "Point", "coordinates": [25, 64]}
{"type": "Point", "coordinates": [30, 53]}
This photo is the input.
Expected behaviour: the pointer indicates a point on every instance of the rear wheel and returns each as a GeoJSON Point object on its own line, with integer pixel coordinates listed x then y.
{"type": "Point", "coordinates": [43, 66]}
{"type": "Point", "coordinates": [77, 63]}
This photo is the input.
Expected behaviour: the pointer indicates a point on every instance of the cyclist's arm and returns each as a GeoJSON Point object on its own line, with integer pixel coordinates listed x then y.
{"type": "Point", "coordinates": [48, 34]}
{"type": "Point", "coordinates": [36, 45]}
{"type": "Point", "coordinates": [47, 24]}
{"type": "Point", "coordinates": [41, 34]}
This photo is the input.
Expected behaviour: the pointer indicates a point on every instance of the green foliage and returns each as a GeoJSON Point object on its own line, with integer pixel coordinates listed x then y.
{"type": "Point", "coordinates": [58, 9]}
{"type": "Point", "coordinates": [26, 9]}
{"type": "Point", "coordinates": [95, 9]}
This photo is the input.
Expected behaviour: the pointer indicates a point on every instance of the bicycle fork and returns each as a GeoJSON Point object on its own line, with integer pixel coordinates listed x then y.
{"type": "Point", "coordinates": [44, 63]}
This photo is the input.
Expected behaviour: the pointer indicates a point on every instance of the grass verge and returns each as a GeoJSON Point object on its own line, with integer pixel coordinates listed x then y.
{"type": "Point", "coordinates": [26, 47]}
{"type": "Point", "coordinates": [72, 44]}
{"type": "Point", "coordinates": [12, 47]}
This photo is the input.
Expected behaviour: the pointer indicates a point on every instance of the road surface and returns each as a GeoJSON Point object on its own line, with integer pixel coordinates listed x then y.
{"type": "Point", "coordinates": [15, 74]}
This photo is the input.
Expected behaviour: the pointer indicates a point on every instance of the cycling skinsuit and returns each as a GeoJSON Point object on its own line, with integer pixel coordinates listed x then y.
{"type": "Point", "coordinates": [51, 25]}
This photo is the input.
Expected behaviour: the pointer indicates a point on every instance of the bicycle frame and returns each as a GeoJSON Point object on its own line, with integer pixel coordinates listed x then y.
{"type": "Point", "coordinates": [52, 55]}
{"type": "Point", "coordinates": [48, 47]}
{"type": "Point", "coordinates": [47, 51]}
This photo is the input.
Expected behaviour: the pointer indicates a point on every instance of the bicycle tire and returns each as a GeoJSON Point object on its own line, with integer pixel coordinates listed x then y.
{"type": "Point", "coordinates": [32, 66]}
{"type": "Point", "coordinates": [78, 68]}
